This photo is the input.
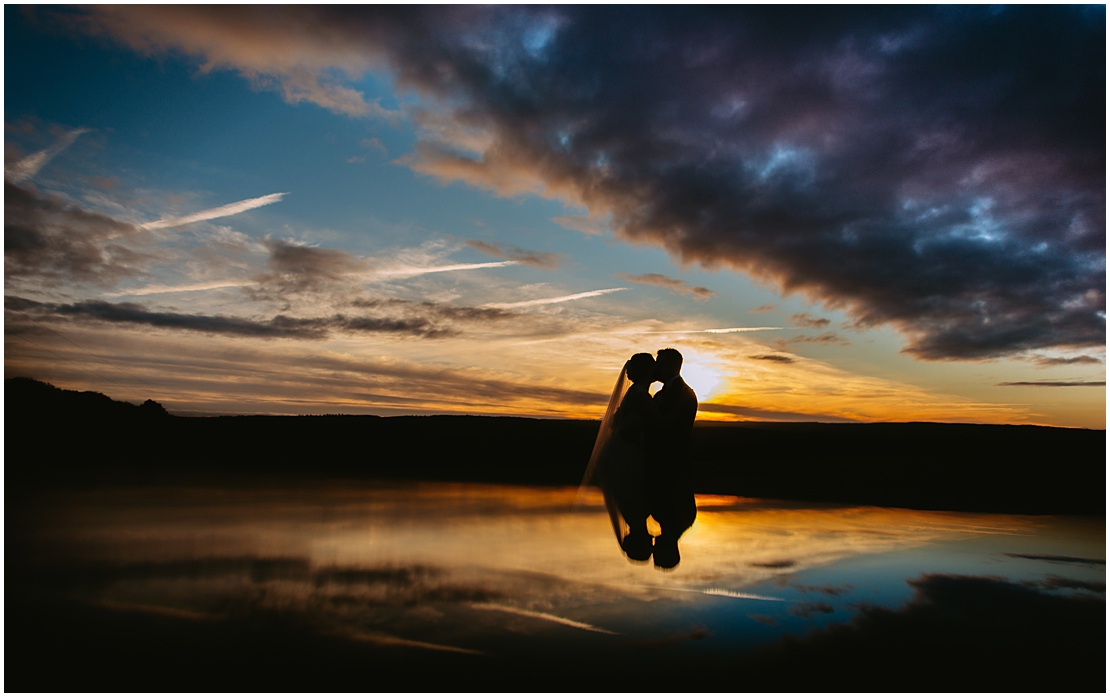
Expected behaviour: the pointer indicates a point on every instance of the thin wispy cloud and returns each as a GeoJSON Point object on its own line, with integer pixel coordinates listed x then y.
{"type": "Point", "coordinates": [827, 339]}
{"type": "Point", "coordinates": [1061, 360]}
{"type": "Point", "coordinates": [541, 616]}
{"type": "Point", "coordinates": [773, 358]}
{"type": "Point", "coordinates": [542, 260]}
{"type": "Point", "coordinates": [30, 165]}
{"type": "Point", "coordinates": [383, 639]}
{"type": "Point", "coordinates": [804, 319]}
{"type": "Point", "coordinates": [675, 332]}
{"type": "Point", "coordinates": [219, 212]}
{"type": "Point", "coordinates": [725, 330]}
{"type": "Point", "coordinates": [673, 285]}
{"type": "Point", "coordinates": [1054, 383]}
{"type": "Point", "coordinates": [580, 223]}
{"type": "Point", "coordinates": [553, 301]}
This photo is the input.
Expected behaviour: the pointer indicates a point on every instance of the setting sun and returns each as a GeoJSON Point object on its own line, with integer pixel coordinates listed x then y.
{"type": "Point", "coordinates": [703, 379]}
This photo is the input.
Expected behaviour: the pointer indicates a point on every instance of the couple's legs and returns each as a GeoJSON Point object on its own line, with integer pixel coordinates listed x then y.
{"type": "Point", "coordinates": [623, 480]}
{"type": "Point", "coordinates": [671, 503]}
{"type": "Point", "coordinates": [634, 509]}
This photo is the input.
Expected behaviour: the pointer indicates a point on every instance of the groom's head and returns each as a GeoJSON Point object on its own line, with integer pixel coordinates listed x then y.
{"type": "Point", "coordinates": [668, 364]}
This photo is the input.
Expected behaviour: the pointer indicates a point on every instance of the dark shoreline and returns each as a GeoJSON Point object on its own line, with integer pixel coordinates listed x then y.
{"type": "Point", "coordinates": [64, 439]}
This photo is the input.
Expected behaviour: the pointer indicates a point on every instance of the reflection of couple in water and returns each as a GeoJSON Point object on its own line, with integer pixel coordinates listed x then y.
{"type": "Point", "coordinates": [640, 457]}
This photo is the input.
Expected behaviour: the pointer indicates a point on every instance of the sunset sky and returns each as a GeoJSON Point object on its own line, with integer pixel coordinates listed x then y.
{"type": "Point", "coordinates": [873, 213]}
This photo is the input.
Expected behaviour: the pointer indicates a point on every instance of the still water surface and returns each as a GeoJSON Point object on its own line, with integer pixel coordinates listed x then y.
{"type": "Point", "coordinates": [503, 570]}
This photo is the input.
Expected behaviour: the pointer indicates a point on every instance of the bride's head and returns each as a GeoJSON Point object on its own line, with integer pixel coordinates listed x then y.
{"type": "Point", "coordinates": [640, 368]}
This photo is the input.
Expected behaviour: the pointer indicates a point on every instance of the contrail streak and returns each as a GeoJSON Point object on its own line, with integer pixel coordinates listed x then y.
{"type": "Point", "coordinates": [221, 212]}
{"type": "Point", "coordinates": [540, 616]}
{"type": "Point", "coordinates": [154, 289]}
{"type": "Point", "coordinates": [30, 165]}
{"type": "Point", "coordinates": [420, 270]}
{"type": "Point", "coordinates": [552, 301]}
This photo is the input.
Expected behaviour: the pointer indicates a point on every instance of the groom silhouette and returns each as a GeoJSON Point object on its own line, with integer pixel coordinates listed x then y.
{"type": "Point", "coordinates": [670, 493]}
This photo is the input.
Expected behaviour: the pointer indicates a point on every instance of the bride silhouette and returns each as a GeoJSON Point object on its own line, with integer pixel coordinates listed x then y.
{"type": "Point", "coordinates": [638, 456]}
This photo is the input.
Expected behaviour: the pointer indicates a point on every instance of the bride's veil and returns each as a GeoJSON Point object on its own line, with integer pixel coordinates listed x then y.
{"type": "Point", "coordinates": [604, 433]}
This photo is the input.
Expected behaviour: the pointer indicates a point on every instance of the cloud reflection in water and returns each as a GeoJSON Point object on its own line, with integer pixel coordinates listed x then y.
{"type": "Point", "coordinates": [502, 571]}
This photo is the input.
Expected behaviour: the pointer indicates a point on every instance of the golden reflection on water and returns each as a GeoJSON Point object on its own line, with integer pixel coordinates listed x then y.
{"type": "Point", "coordinates": [452, 567]}
{"type": "Point", "coordinates": [469, 527]}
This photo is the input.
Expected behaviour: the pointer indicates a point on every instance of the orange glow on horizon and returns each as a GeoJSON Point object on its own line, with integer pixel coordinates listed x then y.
{"type": "Point", "coordinates": [569, 376]}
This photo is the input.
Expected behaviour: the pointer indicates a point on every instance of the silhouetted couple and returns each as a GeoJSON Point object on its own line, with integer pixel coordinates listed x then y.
{"type": "Point", "coordinates": [641, 457]}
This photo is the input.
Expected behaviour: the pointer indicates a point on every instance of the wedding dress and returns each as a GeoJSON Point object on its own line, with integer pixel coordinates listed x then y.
{"type": "Point", "coordinates": [617, 462]}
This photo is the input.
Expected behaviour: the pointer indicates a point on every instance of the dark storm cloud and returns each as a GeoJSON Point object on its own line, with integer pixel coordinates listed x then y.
{"type": "Point", "coordinates": [542, 260]}
{"type": "Point", "coordinates": [278, 327]}
{"type": "Point", "coordinates": [672, 284]}
{"type": "Point", "coordinates": [49, 239]}
{"type": "Point", "coordinates": [938, 169]}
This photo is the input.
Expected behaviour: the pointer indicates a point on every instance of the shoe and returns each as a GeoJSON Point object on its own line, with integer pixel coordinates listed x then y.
{"type": "Point", "coordinates": [665, 553]}
{"type": "Point", "coordinates": [637, 546]}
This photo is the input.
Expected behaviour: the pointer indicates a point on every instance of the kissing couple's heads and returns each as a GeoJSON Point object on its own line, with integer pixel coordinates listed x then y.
{"type": "Point", "coordinates": [643, 368]}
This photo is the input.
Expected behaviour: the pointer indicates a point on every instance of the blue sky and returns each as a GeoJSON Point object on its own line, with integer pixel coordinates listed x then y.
{"type": "Point", "coordinates": [185, 113]}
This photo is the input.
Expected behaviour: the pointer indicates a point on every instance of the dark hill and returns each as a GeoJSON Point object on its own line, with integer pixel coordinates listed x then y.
{"type": "Point", "coordinates": [64, 438]}
{"type": "Point", "coordinates": [40, 400]}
